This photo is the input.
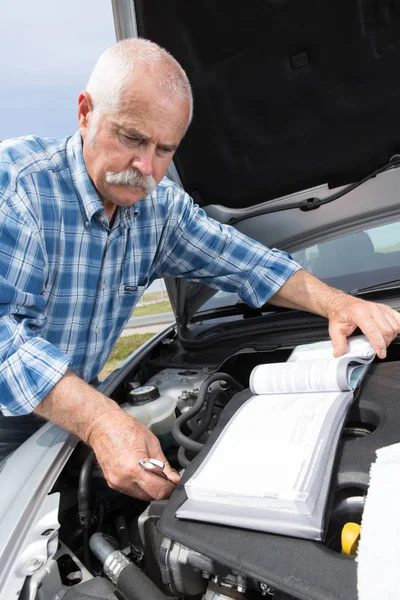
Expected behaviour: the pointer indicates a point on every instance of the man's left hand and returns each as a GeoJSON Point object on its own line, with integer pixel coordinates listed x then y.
{"type": "Point", "coordinates": [380, 323]}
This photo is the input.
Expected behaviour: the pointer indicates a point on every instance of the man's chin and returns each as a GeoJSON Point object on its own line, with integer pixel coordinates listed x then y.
{"type": "Point", "coordinates": [130, 195]}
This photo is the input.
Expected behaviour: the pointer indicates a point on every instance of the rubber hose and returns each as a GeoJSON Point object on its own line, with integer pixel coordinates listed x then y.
{"type": "Point", "coordinates": [85, 478]}
{"type": "Point", "coordinates": [182, 458]}
{"type": "Point", "coordinates": [84, 508]}
{"type": "Point", "coordinates": [122, 532]}
{"type": "Point", "coordinates": [207, 417]}
{"type": "Point", "coordinates": [100, 546]}
{"type": "Point", "coordinates": [135, 585]}
{"type": "Point", "coordinates": [131, 581]}
{"type": "Point", "coordinates": [180, 438]}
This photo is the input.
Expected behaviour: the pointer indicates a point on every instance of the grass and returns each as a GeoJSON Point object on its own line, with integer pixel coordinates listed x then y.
{"type": "Point", "coordinates": [392, 248]}
{"type": "Point", "coordinates": [152, 309]}
{"type": "Point", "coordinates": [155, 296]}
{"type": "Point", "coordinates": [122, 349]}
{"type": "Point", "coordinates": [126, 345]}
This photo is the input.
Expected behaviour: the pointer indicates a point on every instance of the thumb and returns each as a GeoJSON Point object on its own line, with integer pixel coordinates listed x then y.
{"type": "Point", "coordinates": [172, 475]}
{"type": "Point", "coordinates": [339, 341]}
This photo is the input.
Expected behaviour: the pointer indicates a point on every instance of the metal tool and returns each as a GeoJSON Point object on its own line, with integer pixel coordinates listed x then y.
{"type": "Point", "coordinates": [153, 465]}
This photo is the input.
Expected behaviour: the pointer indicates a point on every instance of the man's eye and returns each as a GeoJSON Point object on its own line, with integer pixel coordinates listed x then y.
{"type": "Point", "coordinates": [131, 141]}
{"type": "Point", "coordinates": [164, 152]}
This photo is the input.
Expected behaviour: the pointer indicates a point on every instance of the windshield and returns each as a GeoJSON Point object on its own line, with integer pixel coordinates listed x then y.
{"type": "Point", "coordinates": [350, 262]}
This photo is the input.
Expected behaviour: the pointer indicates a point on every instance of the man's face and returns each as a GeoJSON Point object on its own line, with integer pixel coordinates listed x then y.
{"type": "Point", "coordinates": [132, 147]}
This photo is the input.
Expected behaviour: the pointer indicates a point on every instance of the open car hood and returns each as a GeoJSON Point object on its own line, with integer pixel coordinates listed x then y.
{"type": "Point", "coordinates": [288, 96]}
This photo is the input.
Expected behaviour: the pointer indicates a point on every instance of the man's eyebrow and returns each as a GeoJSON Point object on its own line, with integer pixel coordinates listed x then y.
{"type": "Point", "coordinates": [168, 147]}
{"type": "Point", "coordinates": [135, 133]}
{"type": "Point", "coordinates": [140, 136]}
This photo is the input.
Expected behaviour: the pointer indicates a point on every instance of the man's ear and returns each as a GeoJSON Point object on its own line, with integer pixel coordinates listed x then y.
{"type": "Point", "coordinates": [85, 108]}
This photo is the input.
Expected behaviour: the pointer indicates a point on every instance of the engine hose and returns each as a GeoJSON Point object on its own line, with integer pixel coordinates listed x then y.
{"type": "Point", "coordinates": [85, 478]}
{"type": "Point", "coordinates": [84, 508]}
{"type": "Point", "coordinates": [207, 417]}
{"type": "Point", "coordinates": [180, 438]}
{"type": "Point", "coordinates": [122, 532]}
{"type": "Point", "coordinates": [182, 458]}
{"type": "Point", "coordinates": [128, 578]}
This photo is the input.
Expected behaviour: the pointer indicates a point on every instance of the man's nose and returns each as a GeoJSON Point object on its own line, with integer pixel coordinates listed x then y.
{"type": "Point", "coordinates": [144, 160]}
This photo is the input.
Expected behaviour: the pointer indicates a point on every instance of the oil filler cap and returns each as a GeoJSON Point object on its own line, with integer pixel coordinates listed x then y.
{"type": "Point", "coordinates": [145, 393]}
{"type": "Point", "coordinates": [350, 537]}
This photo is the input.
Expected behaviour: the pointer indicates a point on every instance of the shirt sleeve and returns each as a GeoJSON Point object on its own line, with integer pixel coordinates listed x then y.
{"type": "Point", "coordinates": [201, 249]}
{"type": "Point", "coordinates": [29, 365]}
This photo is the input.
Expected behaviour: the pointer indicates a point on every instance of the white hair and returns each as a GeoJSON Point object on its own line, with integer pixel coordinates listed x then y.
{"type": "Point", "coordinates": [115, 67]}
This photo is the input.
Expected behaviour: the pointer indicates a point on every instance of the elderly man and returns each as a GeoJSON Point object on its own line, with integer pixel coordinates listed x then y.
{"type": "Point", "coordinates": [86, 224]}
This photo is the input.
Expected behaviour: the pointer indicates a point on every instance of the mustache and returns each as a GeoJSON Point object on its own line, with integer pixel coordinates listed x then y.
{"type": "Point", "coordinates": [134, 178]}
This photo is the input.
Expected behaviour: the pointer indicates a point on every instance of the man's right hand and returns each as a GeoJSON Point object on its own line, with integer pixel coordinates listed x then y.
{"type": "Point", "coordinates": [118, 440]}
{"type": "Point", "coordinates": [119, 443]}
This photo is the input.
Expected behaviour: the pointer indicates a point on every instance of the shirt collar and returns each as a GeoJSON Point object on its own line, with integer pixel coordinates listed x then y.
{"type": "Point", "coordinates": [89, 200]}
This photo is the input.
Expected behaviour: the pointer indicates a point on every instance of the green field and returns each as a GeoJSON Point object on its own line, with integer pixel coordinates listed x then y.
{"type": "Point", "coordinates": [126, 345]}
{"type": "Point", "coordinates": [122, 349]}
{"type": "Point", "coordinates": [152, 309]}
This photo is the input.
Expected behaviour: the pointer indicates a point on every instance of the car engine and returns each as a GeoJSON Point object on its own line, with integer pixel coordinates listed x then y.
{"type": "Point", "coordinates": [126, 548]}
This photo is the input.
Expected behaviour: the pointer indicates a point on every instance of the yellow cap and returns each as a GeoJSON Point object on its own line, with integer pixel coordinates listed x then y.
{"type": "Point", "coordinates": [350, 538]}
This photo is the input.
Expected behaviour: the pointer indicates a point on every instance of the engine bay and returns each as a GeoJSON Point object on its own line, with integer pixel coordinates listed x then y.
{"type": "Point", "coordinates": [187, 559]}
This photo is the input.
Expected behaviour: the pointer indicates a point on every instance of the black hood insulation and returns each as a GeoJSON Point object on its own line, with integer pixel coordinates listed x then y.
{"type": "Point", "coordinates": [288, 94]}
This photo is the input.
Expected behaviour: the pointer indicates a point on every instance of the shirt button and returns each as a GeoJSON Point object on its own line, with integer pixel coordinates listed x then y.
{"type": "Point", "coordinates": [87, 223]}
{"type": "Point", "coordinates": [104, 285]}
{"type": "Point", "coordinates": [96, 330]}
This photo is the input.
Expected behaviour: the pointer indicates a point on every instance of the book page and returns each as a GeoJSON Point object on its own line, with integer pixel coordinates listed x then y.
{"type": "Point", "coordinates": [357, 346]}
{"type": "Point", "coordinates": [313, 368]}
{"type": "Point", "coordinates": [304, 524]}
{"type": "Point", "coordinates": [296, 377]}
{"type": "Point", "coordinates": [262, 457]}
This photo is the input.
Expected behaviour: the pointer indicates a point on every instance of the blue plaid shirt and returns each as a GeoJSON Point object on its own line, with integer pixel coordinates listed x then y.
{"type": "Point", "coordinates": [69, 283]}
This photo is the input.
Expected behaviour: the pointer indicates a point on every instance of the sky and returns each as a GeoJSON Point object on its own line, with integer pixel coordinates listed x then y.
{"type": "Point", "coordinates": [47, 51]}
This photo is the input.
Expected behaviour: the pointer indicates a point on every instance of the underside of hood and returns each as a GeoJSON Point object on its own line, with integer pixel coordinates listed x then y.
{"type": "Point", "coordinates": [288, 94]}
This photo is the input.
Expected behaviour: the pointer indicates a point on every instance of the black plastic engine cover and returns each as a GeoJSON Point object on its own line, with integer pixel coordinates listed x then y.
{"type": "Point", "coordinates": [305, 569]}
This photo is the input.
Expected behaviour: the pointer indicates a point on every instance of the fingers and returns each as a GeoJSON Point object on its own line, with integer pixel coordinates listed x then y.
{"type": "Point", "coordinates": [135, 481]}
{"type": "Point", "coordinates": [152, 485]}
{"type": "Point", "coordinates": [155, 484]}
{"type": "Point", "coordinates": [371, 329]}
{"type": "Point", "coordinates": [378, 322]}
{"type": "Point", "coordinates": [172, 474]}
{"type": "Point", "coordinates": [119, 446]}
{"type": "Point", "coordinates": [394, 319]}
{"type": "Point", "coordinates": [339, 339]}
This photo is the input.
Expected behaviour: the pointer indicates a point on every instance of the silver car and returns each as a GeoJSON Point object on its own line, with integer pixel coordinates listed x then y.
{"type": "Point", "coordinates": [294, 142]}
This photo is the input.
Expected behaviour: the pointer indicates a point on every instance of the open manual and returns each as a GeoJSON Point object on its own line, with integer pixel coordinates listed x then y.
{"type": "Point", "coordinates": [270, 469]}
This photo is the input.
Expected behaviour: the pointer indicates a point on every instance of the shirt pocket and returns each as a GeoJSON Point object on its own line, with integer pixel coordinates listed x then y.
{"type": "Point", "coordinates": [132, 288]}
{"type": "Point", "coordinates": [128, 296]}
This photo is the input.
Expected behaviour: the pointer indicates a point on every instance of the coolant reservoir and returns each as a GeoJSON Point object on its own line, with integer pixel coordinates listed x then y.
{"type": "Point", "coordinates": [151, 409]}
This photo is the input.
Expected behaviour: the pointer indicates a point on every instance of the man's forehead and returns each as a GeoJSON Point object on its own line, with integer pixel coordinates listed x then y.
{"type": "Point", "coordinates": [152, 124]}
{"type": "Point", "coordinates": [145, 106]}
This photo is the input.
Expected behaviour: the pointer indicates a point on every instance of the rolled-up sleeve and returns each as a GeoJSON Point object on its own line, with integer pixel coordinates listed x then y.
{"type": "Point", "coordinates": [203, 250]}
{"type": "Point", "coordinates": [29, 365]}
